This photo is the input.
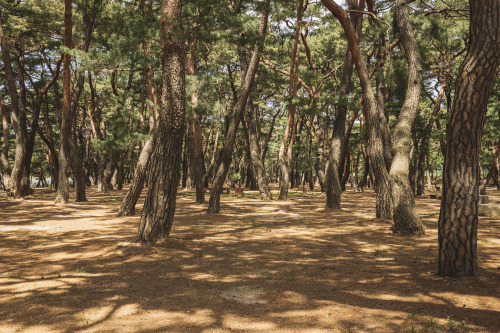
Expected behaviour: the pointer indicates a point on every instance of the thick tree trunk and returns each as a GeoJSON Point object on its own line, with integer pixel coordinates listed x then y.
{"type": "Point", "coordinates": [459, 208]}
{"type": "Point", "coordinates": [406, 219]}
{"type": "Point", "coordinates": [227, 149]}
{"type": "Point", "coordinates": [376, 148]}
{"type": "Point", "coordinates": [65, 136]}
{"type": "Point", "coordinates": [164, 171]}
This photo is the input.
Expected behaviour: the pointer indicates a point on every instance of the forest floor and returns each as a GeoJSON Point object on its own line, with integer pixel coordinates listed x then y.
{"type": "Point", "coordinates": [279, 266]}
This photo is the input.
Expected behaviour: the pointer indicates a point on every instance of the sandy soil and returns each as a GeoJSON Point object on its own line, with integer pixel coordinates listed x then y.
{"type": "Point", "coordinates": [281, 266]}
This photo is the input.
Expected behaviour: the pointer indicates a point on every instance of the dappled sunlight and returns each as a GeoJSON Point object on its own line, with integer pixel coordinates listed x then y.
{"type": "Point", "coordinates": [258, 266]}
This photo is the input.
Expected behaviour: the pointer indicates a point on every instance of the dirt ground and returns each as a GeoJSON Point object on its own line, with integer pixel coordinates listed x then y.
{"type": "Point", "coordinates": [279, 266]}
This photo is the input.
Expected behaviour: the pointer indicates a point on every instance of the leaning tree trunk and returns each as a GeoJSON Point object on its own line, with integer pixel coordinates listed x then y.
{"type": "Point", "coordinates": [376, 148]}
{"type": "Point", "coordinates": [406, 219]}
{"type": "Point", "coordinates": [333, 188]}
{"type": "Point", "coordinates": [257, 168]}
{"type": "Point", "coordinates": [227, 149]}
{"type": "Point", "coordinates": [127, 207]}
{"type": "Point", "coordinates": [164, 172]}
{"type": "Point", "coordinates": [459, 208]}
{"type": "Point", "coordinates": [64, 149]}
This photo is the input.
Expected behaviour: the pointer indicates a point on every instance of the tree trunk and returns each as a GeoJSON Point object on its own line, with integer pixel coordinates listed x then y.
{"type": "Point", "coordinates": [257, 168]}
{"type": "Point", "coordinates": [127, 207]}
{"type": "Point", "coordinates": [17, 113]}
{"type": "Point", "coordinates": [345, 145]}
{"type": "Point", "coordinates": [255, 154]}
{"type": "Point", "coordinates": [376, 148]}
{"type": "Point", "coordinates": [459, 208]}
{"type": "Point", "coordinates": [290, 125]}
{"type": "Point", "coordinates": [227, 149]}
{"type": "Point", "coordinates": [65, 136]}
{"type": "Point", "coordinates": [197, 158]}
{"type": "Point", "coordinates": [492, 168]}
{"type": "Point", "coordinates": [164, 171]}
{"type": "Point", "coordinates": [333, 188]}
{"type": "Point", "coordinates": [347, 171]}
{"type": "Point", "coordinates": [320, 148]}
{"type": "Point", "coordinates": [406, 219]}
{"type": "Point", "coordinates": [4, 155]}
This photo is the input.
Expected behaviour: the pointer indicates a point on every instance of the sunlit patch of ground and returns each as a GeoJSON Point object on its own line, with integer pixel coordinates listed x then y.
{"type": "Point", "coordinates": [278, 266]}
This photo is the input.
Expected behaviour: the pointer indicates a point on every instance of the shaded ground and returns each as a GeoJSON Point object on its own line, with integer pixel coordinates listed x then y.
{"type": "Point", "coordinates": [285, 266]}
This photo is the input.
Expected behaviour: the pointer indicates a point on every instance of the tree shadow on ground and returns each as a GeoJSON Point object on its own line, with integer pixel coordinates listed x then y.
{"type": "Point", "coordinates": [315, 270]}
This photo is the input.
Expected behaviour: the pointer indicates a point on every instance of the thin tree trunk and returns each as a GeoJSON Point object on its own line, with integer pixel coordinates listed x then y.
{"type": "Point", "coordinates": [492, 168]}
{"type": "Point", "coordinates": [65, 136]}
{"type": "Point", "coordinates": [127, 207]}
{"type": "Point", "coordinates": [406, 219]}
{"type": "Point", "coordinates": [459, 208]}
{"type": "Point", "coordinates": [17, 113]}
{"type": "Point", "coordinates": [333, 188]}
{"type": "Point", "coordinates": [320, 148]}
{"type": "Point", "coordinates": [227, 149]}
{"type": "Point", "coordinates": [196, 137]}
{"type": "Point", "coordinates": [290, 125]}
{"type": "Point", "coordinates": [347, 171]}
{"type": "Point", "coordinates": [376, 148]}
{"type": "Point", "coordinates": [255, 154]}
{"type": "Point", "coordinates": [4, 155]}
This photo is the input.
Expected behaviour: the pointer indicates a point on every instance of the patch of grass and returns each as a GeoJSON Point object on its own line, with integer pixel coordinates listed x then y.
{"type": "Point", "coordinates": [80, 270]}
{"type": "Point", "coordinates": [452, 323]}
{"type": "Point", "coordinates": [85, 321]}
{"type": "Point", "coordinates": [431, 325]}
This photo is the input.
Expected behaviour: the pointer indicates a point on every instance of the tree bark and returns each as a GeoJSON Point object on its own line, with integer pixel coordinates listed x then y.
{"type": "Point", "coordinates": [459, 208]}
{"type": "Point", "coordinates": [491, 170]}
{"type": "Point", "coordinates": [159, 206]}
{"type": "Point", "coordinates": [406, 219]}
{"type": "Point", "coordinates": [333, 188]}
{"type": "Point", "coordinates": [195, 129]}
{"type": "Point", "coordinates": [227, 149]}
{"type": "Point", "coordinates": [290, 125]}
{"type": "Point", "coordinates": [65, 136]}
{"type": "Point", "coordinates": [257, 168]}
{"type": "Point", "coordinates": [376, 148]}
{"type": "Point", "coordinates": [4, 155]}
{"type": "Point", "coordinates": [17, 112]}
{"type": "Point", "coordinates": [127, 207]}
{"type": "Point", "coordinates": [319, 139]}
